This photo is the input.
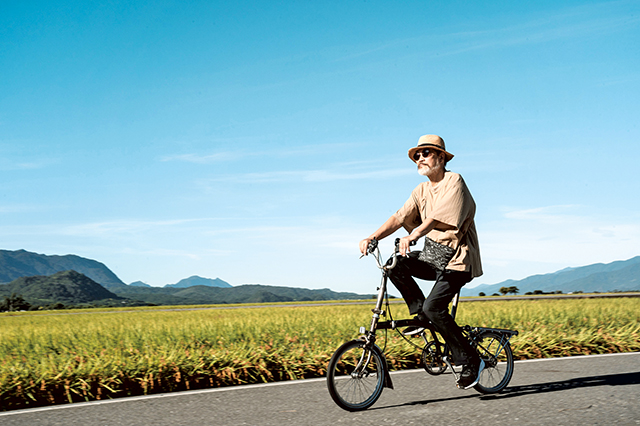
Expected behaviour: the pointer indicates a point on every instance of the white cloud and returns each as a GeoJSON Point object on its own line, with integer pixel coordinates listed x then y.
{"type": "Point", "coordinates": [569, 23]}
{"type": "Point", "coordinates": [34, 164]}
{"type": "Point", "coordinates": [111, 228]}
{"type": "Point", "coordinates": [321, 253]}
{"type": "Point", "coordinates": [202, 159]}
{"type": "Point", "coordinates": [20, 208]}
{"type": "Point", "coordinates": [319, 175]}
{"type": "Point", "coordinates": [250, 150]}
{"type": "Point", "coordinates": [573, 24]}
{"type": "Point", "coordinates": [542, 240]}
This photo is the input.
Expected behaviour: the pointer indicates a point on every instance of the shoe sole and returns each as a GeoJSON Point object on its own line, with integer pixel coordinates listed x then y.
{"type": "Point", "coordinates": [480, 368]}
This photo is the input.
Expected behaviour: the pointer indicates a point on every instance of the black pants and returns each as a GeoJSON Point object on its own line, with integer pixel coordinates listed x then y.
{"type": "Point", "coordinates": [436, 306]}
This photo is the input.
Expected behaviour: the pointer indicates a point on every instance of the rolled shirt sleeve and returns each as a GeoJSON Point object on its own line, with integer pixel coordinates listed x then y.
{"type": "Point", "coordinates": [409, 215]}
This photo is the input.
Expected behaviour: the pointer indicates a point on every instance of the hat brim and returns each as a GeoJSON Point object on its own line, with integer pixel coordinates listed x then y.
{"type": "Point", "coordinates": [413, 150]}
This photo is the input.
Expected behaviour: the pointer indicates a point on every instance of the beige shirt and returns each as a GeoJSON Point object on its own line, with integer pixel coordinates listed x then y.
{"type": "Point", "coordinates": [450, 202]}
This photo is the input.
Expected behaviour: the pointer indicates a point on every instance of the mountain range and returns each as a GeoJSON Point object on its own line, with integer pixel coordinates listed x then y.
{"type": "Point", "coordinates": [22, 263]}
{"type": "Point", "coordinates": [73, 280]}
{"type": "Point", "coordinates": [189, 282]}
{"type": "Point", "coordinates": [196, 280]}
{"type": "Point", "coordinates": [43, 281]}
{"type": "Point", "coordinates": [615, 276]}
{"type": "Point", "coordinates": [66, 288]}
{"type": "Point", "coordinates": [248, 293]}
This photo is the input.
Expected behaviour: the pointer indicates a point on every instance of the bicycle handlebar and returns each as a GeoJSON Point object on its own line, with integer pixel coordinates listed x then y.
{"type": "Point", "coordinates": [373, 249]}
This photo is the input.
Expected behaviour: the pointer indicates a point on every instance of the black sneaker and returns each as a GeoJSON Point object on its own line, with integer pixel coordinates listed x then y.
{"type": "Point", "coordinates": [470, 375]}
{"type": "Point", "coordinates": [412, 331]}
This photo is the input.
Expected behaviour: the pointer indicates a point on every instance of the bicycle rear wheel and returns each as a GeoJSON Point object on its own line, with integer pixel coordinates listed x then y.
{"type": "Point", "coordinates": [495, 351]}
{"type": "Point", "coordinates": [355, 376]}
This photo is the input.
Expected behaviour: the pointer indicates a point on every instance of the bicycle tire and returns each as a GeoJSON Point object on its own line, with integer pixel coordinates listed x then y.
{"type": "Point", "coordinates": [431, 361]}
{"type": "Point", "coordinates": [356, 375]}
{"type": "Point", "coordinates": [495, 351]}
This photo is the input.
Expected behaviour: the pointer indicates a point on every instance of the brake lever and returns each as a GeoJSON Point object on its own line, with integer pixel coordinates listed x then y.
{"type": "Point", "coordinates": [371, 247]}
{"type": "Point", "coordinates": [397, 244]}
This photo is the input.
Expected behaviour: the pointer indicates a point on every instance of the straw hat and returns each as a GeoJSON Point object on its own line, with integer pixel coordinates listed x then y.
{"type": "Point", "coordinates": [430, 141]}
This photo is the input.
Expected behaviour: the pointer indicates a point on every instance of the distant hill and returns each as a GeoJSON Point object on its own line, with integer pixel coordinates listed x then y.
{"type": "Point", "coordinates": [22, 263]}
{"type": "Point", "coordinates": [250, 293]}
{"type": "Point", "coordinates": [44, 280]}
{"type": "Point", "coordinates": [67, 287]}
{"type": "Point", "coordinates": [196, 280]}
{"type": "Point", "coordinates": [599, 277]}
{"type": "Point", "coordinates": [74, 280]}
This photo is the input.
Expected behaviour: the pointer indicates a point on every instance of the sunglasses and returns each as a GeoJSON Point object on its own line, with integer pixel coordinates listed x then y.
{"type": "Point", "coordinates": [424, 152]}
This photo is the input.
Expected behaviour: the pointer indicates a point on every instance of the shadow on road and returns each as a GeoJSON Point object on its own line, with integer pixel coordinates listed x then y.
{"type": "Point", "coordinates": [581, 382]}
{"type": "Point", "coordinates": [515, 391]}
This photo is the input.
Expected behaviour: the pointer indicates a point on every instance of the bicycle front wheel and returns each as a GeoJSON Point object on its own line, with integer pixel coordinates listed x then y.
{"type": "Point", "coordinates": [355, 376]}
{"type": "Point", "coordinates": [495, 351]}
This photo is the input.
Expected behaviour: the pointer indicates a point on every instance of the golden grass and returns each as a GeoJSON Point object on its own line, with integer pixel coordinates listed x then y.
{"type": "Point", "coordinates": [47, 359]}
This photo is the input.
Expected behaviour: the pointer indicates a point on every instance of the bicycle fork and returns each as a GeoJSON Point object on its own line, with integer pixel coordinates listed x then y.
{"type": "Point", "coordinates": [370, 335]}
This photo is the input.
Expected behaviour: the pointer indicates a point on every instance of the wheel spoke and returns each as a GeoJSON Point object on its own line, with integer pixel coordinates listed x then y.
{"type": "Point", "coordinates": [495, 350]}
{"type": "Point", "coordinates": [355, 377]}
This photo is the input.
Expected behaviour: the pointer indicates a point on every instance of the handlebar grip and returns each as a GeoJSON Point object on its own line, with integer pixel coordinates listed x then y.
{"type": "Point", "coordinates": [397, 243]}
{"type": "Point", "coordinates": [372, 245]}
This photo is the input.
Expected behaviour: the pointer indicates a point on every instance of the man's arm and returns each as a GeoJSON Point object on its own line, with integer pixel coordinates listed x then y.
{"type": "Point", "coordinates": [389, 227]}
{"type": "Point", "coordinates": [419, 232]}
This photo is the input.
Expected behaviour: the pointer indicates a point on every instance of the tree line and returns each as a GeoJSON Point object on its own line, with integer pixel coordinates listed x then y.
{"type": "Point", "coordinates": [503, 291]}
{"type": "Point", "coordinates": [14, 303]}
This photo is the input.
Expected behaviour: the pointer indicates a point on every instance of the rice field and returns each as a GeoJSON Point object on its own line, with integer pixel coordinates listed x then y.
{"type": "Point", "coordinates": [61, 358]}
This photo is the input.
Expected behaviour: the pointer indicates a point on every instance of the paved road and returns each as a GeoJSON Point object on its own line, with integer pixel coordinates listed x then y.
{"type": "Point", "coordinates": [590, 390]}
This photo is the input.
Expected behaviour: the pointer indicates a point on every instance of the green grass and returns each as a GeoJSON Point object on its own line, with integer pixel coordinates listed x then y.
{"type": "Point", "coordinates": [46, 359]}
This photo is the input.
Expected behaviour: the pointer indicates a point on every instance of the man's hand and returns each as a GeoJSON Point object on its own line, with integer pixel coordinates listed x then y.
{"type": "Point", "coordinates": [405, 243]}
{"type": "Point", "coordinates": [364, 245]}
{"type": "Point", "coordinates": [387, 228]}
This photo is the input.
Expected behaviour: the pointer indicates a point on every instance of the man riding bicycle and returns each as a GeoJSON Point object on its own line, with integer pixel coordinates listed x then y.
{"type": "Point", "coordinates": [442, 210]}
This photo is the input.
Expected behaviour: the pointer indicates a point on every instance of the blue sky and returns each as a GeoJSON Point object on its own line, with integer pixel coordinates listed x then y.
{"type": "Point", "coordinates": [258, 142]}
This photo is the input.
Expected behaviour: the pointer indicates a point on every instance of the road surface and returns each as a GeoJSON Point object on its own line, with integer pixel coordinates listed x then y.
{"type": "Point", "coordinates": [588, 390]}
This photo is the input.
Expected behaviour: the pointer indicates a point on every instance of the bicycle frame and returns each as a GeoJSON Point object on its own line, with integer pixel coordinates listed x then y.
{"type": "Point", "coordinates": [358, 370]}
{"type": "Point", "coordinates": [376, 324]}
{"type": "Point", "coordinates": [382, 292]}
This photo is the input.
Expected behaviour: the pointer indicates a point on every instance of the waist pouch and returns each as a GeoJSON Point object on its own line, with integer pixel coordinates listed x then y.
{"type": "Point", "coordinates": [435, 254]}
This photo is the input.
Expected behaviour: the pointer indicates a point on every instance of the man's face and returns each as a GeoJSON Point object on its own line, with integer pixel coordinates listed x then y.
{"type": "Point", "coordinates": [430, 162]}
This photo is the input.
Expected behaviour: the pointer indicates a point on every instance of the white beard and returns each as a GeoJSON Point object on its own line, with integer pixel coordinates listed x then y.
{"type": "Point", "coordinates": [427, 171]}
{"type": "Point", "coordinates": [424, 170]}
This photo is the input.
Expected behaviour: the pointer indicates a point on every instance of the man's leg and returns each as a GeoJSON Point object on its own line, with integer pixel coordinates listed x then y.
{"type": "Point", "coordinates": [402, 277]}
{"type": "Point", "coordinates": [436, 308]}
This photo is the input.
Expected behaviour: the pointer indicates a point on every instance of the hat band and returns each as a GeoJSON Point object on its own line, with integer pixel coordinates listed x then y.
{"type": "Point", "coordinates": [430, 145]}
